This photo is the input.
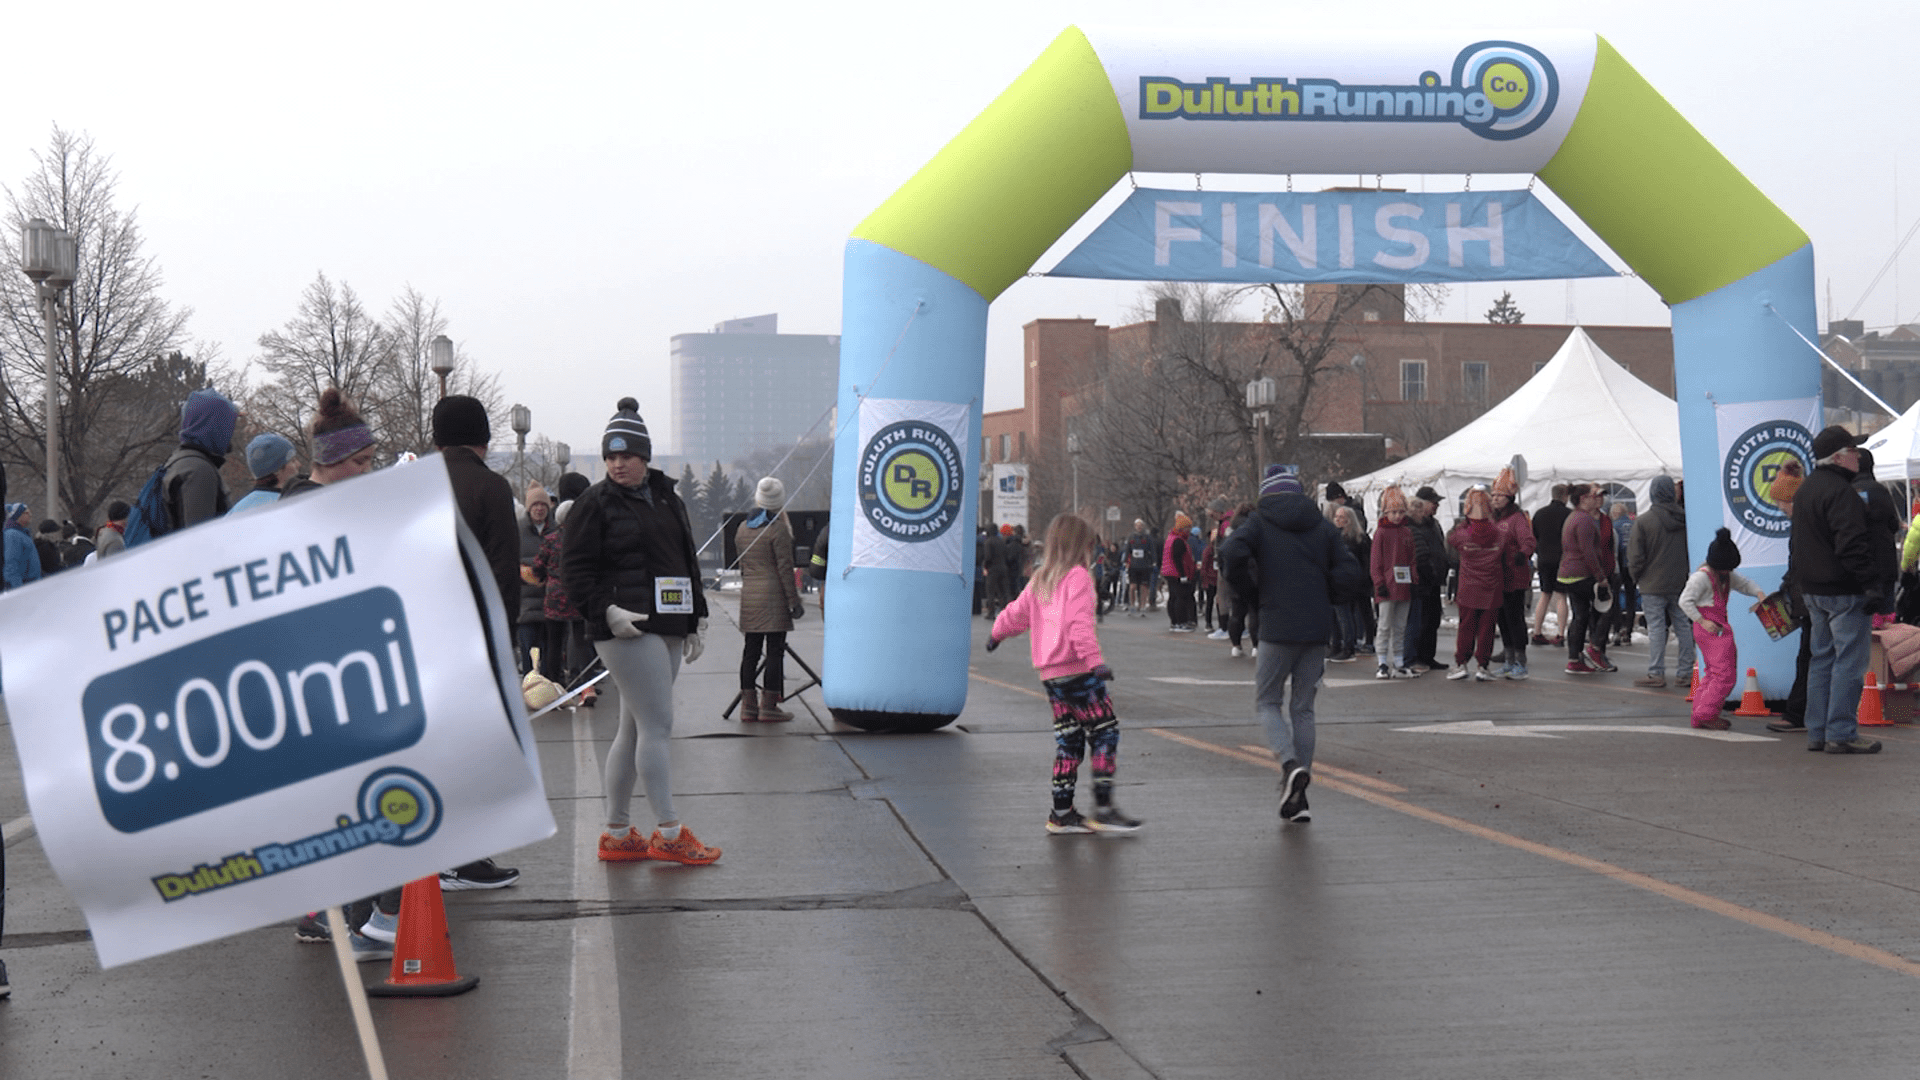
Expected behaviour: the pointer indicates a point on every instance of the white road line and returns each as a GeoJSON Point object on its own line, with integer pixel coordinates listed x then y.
{"type": "Point", "coordinates": [593, 1025]}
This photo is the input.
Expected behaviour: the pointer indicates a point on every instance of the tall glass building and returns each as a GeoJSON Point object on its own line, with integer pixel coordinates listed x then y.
{"type": "Point", "coordinates": [746, 387]}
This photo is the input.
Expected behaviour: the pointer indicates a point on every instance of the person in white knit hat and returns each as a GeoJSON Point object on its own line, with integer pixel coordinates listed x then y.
{"type": "Point", "coordinates": [769, 602]}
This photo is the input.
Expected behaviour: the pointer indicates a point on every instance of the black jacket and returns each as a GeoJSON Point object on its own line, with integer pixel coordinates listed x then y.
{"type": "Point", "coordinates": [1546, 531]}
{"type": "Point", "coordinates": [1883, 531]}
{"type": "Point", "coordinates": [1430, 553]}
{"type": "Point", "coordinates": [1301, 564]}
{"type": "Point", "coordinates": [616, 543]}
{"type": "Point", "coordinates": [486, 505]}
{"type": "Point", "coordinates": [1829, 548]}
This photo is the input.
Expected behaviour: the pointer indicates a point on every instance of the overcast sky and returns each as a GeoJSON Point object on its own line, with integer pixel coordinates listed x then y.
{"type": "Point", "coordinates": [577, 183]}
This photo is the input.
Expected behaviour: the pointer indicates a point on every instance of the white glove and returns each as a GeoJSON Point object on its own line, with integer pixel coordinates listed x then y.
{"type": "Point", "coordinates": [695, 643]}
{"type": "Point", "coordinates": [624, 623]}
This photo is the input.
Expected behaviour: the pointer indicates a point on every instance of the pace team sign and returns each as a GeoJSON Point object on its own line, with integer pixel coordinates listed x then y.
{"type": "Point", "coordinates": [250, 719]}
{"type": "Point", "coordinates": [912, 485]}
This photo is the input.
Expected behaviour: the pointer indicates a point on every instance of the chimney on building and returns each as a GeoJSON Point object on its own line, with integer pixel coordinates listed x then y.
{"type": "Point", "coordinates": [1167, 310]}
{"type": "Point", "coordinates": [1851, 329]}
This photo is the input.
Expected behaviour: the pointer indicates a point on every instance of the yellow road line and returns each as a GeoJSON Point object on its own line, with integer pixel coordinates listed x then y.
{"type": "Point", "coordinates": [1759, 920]}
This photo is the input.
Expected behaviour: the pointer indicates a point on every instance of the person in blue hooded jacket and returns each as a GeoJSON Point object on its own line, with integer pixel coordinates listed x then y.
{"type": "Point", "coordinates": [1290, 556]}
{"type": "Point", "coordinates": [23, 559]}
{"type": "Point", "coordinates": [194, 490]}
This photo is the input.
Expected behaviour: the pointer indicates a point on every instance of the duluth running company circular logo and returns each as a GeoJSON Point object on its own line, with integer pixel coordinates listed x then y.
{"type": "Point", "coordinates": [406, 799]}
{"type": "Point", "coordinates": [910, 481]}
{"type": "Point", "coordinates": [1753, 463]}
{"type": "Point", "coordinates": [1518, 81]}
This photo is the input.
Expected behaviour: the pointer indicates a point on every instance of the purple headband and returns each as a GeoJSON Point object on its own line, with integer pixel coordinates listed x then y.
{"type": "Point", "coordinates": [334, 447]}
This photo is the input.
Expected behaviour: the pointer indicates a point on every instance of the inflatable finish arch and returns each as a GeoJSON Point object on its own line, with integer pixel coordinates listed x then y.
{"type": "Point", "coordinates": [921, 270]}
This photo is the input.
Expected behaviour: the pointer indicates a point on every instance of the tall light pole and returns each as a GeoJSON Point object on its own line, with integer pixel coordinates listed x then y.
{"type": "Point", "coordinates": [562, 454]}
{"type": "Point", "coordinates": [1260, 395]}
{"type": "Point", "coordinates": [522, 420]}
{"type": "Point", "coordinates": [441, 350]}
{"type": "Point", "coordinates": [1073, 453]}
{"type": "Point", "coordinates": [50, 257]}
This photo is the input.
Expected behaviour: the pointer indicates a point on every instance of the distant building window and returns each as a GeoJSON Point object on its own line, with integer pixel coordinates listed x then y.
{"type": "Point", "coordinates": [1006, 447]}
{"type": "Point", "coordinates": [1413, 380]}
{"type": "Point", "coordinates": [986, 448]}
{"type": "Point", "coordinates": [1369, 315]}
{"type": "Point", "coordinates": [1473, 382]}
{"type": "Point", "coordinates": [1023, 446]}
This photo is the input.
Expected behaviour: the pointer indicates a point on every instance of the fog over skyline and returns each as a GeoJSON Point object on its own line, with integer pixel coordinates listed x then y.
{"type": "Point", "coordinates": [576, 185]}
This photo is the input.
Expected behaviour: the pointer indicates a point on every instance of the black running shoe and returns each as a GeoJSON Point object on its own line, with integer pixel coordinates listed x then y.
{"type": "Point", "coordinates": [477, 875]}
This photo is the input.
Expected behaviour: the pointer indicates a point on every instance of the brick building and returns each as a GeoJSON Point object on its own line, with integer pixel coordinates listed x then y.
{"type": "Point", "coordinates": [1405, 385]}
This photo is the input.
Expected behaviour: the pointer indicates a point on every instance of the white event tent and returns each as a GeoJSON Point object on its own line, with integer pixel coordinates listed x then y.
{"type": "Point", "coordinates": [1895, 454]}
{"type": "Point", "coordinates": [1581, 419]}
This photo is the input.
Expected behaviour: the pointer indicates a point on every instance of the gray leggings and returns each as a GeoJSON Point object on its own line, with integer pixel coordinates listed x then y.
{"type": "Point", "coordinates": [644, 669]}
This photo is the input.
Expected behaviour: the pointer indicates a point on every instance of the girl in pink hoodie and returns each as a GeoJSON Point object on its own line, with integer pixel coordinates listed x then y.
{"type": "Point", "coordinates": [1058, 607]}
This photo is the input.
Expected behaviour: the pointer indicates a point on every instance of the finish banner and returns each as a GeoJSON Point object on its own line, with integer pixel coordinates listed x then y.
{"type": "Point", "coordinates": [270, 714]}
{"type": "Point", "coordinates": [912, 485]}
{"type": "Point", "coordinates": [1353, 237]}
{"type": "Point", "coordinates": [1756, 438]}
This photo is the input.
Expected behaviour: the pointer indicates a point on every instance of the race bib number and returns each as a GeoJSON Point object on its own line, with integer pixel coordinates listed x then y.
{"type": "Point", "coordinates": [1403, 575]}
{"type": "Point", "coordinates": [673, 596]}
{"type": "Point", "coordinates": [1139, 553]}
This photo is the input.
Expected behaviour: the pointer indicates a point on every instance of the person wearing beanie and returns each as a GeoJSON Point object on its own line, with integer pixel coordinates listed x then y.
{"type": "Point", "coordinates": [1289, 556]}
{"type": "Point", "coordinates": [1657, 559]}
{"type": "Point", "coordinates": [1704, 599]}
{"type": "Point", "coordinates": [1833, 565]}
{"type": "Point", "coordinates": [769, 603]}
{"type": "Point", "coordinates": [1178, 568]}
{"type": "Point", "coordinates": [1586, 566]}
{"type": "Point", "coordinates": [631, 567]}
{"type": "Point", "coordinates": [530, 624]}
{"type": "Point", "coordinates": [1434, 561]}
{"type": "Point", "coordinates": [22, 557]}
{"type": "Point", "coordinates": [111, 539]}
{"type": "Point", "coordinates": [271, 460]}
{"type": "Point", "coordinates": [1484, 551]}
{"type": "Point", "coordinates": [194, 490]}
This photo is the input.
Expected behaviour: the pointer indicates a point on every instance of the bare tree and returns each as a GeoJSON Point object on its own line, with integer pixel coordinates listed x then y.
{"type": "Point", "coordinates": [330, 342]}
{"type": "Point", "coordinates": [409, 387]}
{"type": "Point", "coordinates": [121, 374]}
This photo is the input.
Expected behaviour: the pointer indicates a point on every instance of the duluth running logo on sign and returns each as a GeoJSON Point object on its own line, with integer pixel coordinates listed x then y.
{"type": "Point", "coordinates": [910, 481]}
{"type": "Point", "coordinates": [1499, 90]}
{"type": "Point", "coordinates": [1752, 464]}
{"type": "Point", "coordinates": [255, 708]}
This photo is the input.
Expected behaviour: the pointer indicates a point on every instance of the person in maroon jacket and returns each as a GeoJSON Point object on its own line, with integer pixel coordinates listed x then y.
{"type": "Point", "coordinates": [1513, 608]}
{"type": "Point", "coordinates": [1586, 566]}
{"type": "Point", "coordinates": [1482, 547]}
{"type": "Point", "coordinates": [1392, 569]}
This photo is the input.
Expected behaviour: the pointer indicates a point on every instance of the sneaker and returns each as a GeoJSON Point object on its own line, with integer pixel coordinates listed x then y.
{"type": "Point", "coordinates": [1110, 819]}
{"type": "Point", "coordinates": [1365, 647]}
{"type": "Point", "coordinates": [1293, 789]}
{"type": "Point", "coordinates": [1420, 669]}
{"type": "Point", "coordinates": [1405, 673]}
{"type": "Point", "coordinates": [381, 926]}
{"type": "Point", "coordinates": [685, 848]}
{"type": "Point", "coordinates": [631, 847]}
{"type": "Point", "coordinates": [477, 875]}
{"type": "Point", "coordinates": [1217, 635]}
{"type": "Point", "coordinates": [6, 988]}
{"type": "Point", "coordinates": [1817, 746]}
{"type": "Point", "coordinates": [1655, 681]}
{"type": "Point", "coordinates": [1517, 672]}
{"type": "Point", "coordinates": [1301, 816]}
{"type": "Point", "coordinates": [1855, 745]}
{"type": "Point", "coordinates": [1253, 650]}
{"type": "Point", "coordinates": [1717, 723]}
{"type": "Point", "coordinates": [366, 949]}
{"type": "Point", "coordinates": [1385, 672]}
{"type": "Point", "coordinates": [1237, 652]}
{"type": "Point", "coordinates": [1597, 660]}
{"type": "Point", "coordinates": [1787, 723]}
{"type": "Point", "coordinates": [1580, 667]}
{"type": "Point", "coordinates": [1540, 639]}
{"type": "Point", "coordinates": [1341, 658]}
{"type": "Point", "coordinates": [312, 929]}
{"type": "Point", "coordinates": [1457, 672]}
{"type": "Point", "coordinates": [1481, 674]}
{"type": "Point", "coordinates": [1066, 822]}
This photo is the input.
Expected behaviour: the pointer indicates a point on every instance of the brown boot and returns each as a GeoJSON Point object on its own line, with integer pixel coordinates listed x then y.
{"type": "Point", "coordinates": [770, 710]}
{"type": "Point", "coordinates": [750, 707]}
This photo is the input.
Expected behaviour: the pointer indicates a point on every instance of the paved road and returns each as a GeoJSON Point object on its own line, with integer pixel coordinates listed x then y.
{"type": "Point", "coordinates": [1606, 896]}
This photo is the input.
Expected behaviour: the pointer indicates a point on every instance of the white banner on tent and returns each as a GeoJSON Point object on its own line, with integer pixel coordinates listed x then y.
{"type": "Point", "coordinates": [911, 485]}
{"type": "Point", "coordinates": [267, 715]}
{"type": "Point", "coordinates": [1756, 438]}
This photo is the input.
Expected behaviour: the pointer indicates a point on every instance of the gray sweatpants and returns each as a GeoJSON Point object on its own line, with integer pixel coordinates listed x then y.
{"type": "Point", "coordinates": [644, 669]}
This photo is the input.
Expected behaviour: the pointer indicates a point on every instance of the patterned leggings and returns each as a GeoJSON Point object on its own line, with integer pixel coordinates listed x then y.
{"type": "Point", "coordinates": [1082, 714]}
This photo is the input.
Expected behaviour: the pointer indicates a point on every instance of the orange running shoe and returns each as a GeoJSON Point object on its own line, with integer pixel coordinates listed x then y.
{"type": "Point", "coordinates": [630, 847]}
{"type": "Point", "coordinates": [686, 848]}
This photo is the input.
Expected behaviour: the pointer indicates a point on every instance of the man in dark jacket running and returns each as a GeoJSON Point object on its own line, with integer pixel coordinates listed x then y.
{"type": "Point", "coordinates": [1302, 566]}
{"type": "Point", "coordinates": [1833, 563]}
{"type": "Point", "coordinates": [1657, 559]}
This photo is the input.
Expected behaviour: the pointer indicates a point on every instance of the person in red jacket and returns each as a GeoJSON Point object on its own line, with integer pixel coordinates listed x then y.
{"type": "Point", "coordinates": [1513, 608]}
{"type": "Point", "coordinates": [1392, 569]}
{"type": "Point", "coordinates": [1482, 547]}
{"type": "Point", "coordinates": [1586, 565]}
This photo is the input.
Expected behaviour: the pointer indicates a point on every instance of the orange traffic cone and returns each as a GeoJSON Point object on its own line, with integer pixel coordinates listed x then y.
{"type": "Point", "coordinates": [1750, 702]}
{"type": "Point", "coordinates": [1871, 714]}
{"type": "Point", "coordinates": [1694, 685]}
{"type": "Point", "coordinates": [423, 950]}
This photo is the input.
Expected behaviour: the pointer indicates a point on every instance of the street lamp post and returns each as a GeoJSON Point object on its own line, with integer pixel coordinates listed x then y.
{"type": "Point", "coordinates": [1073, 453]}
{"type": "Point", "coordinates": [1260, 395]}
{"type": "Point", "coordinates": [562, 454]}
{"type": "Point", "coordinates": [49, 257]}
{"type": "Point", "coordinates": [522, 420]}
{"type": "Point", "coordinates": [441, 350]}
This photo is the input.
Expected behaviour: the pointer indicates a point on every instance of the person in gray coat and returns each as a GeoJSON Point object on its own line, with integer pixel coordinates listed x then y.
{"type": "Point", "coordinates": [1657, 559]}
{"type": "Point", "coordinates": [530, 622]}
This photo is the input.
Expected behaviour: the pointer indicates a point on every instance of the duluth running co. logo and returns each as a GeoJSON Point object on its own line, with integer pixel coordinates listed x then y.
{"type": "Point", "coordinates": [1499, 90]}
{"type": "Point", "coordinates": [910, 481]}
{"type": "Point", "coordinates": [1752, 465]}
{"type": "Point", "coordinates": [397, 806]}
